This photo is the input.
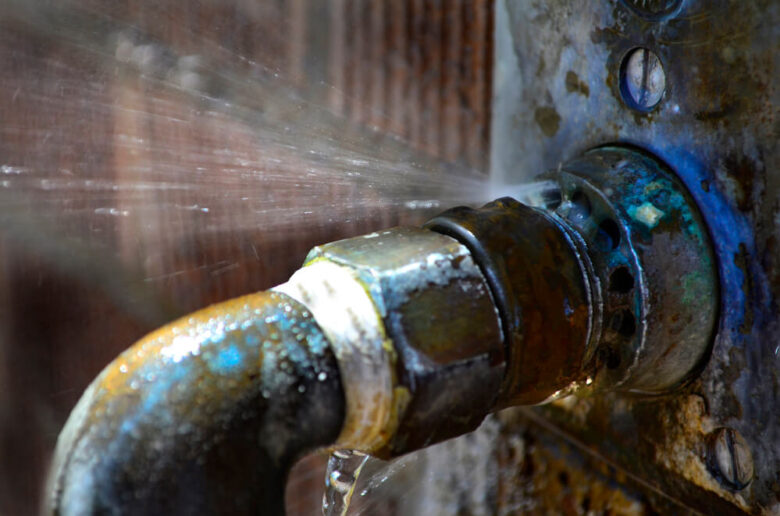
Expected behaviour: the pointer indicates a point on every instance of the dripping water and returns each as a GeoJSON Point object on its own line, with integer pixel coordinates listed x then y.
{"type": "Point", "coordinates": [344, 467]}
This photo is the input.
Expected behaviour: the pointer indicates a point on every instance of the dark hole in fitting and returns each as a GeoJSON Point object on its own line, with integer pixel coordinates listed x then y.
{"type": "Point", "coordinates": [580, 207]}
{"type": "Point", "coordinates": [608, 235]}
{"type": "Point", "coordinates": [621, 280]}
{"type": "Point", "coordinates": [611, 358]}
{"type": "Point", "coordinates": [624, 323]}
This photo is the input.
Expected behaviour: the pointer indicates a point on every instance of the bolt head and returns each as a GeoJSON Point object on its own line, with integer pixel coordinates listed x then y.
{"type": "Point", "coordinates": [730, 458]}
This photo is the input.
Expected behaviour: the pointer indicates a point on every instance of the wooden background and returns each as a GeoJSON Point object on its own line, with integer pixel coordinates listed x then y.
{"type": "Point", "coordinates": [83, 133]}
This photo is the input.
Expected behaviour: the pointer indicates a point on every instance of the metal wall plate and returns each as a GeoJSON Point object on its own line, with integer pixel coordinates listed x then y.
{"type": "Point", "coordinates": [692, 82]}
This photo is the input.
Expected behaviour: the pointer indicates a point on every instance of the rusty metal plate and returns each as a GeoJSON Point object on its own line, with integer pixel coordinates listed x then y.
{"type": "Point", "coordinates": [569, 78]}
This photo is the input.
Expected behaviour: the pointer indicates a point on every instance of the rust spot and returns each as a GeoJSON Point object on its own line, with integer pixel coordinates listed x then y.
{"type": "Point", "coordinates": [548, 120]}
{"type": "Point", "coordinates": [532, 475]}
{"type": "Point", "coordinates": [747, 175]}
{"type": "Point", "coordinates": [575, 85]}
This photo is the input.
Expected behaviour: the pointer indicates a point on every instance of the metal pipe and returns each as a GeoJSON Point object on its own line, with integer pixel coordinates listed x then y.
{"type": "Point", "coordinates": [392, 341]}
{"type": "Point", "coordinates": [208, 414]}
{"type": "Point", "coordinates": [204, 416]}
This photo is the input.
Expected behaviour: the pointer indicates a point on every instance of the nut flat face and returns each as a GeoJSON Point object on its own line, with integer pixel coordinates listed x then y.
{"type": "Point", "coordinates": [438, 313]}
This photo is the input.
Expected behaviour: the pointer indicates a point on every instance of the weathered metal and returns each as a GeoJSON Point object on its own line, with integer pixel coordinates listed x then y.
{"type": "Point", "coordinates": [205, 416]}
{"type": "Point", "coordinates": [431, 330]}
{"type": "Point", "coordinates": [439, 314]}
{"type": "Point", "coordinates": [539, 274]}
{"type": "Point", "coordinates": [557, 93]}
{"type": "Point", "coordinates": [609, 284]}
{"type": "Point", "coordinates": [653, 260]}
{"type": "Point", "coordinates": [642, 79]}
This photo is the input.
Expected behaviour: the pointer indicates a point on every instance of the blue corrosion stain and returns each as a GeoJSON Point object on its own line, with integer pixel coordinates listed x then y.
{"type": "Point", "coordinates": [729, 230]}
{"type": "Point", "coordinates": [226, 360]}
{"type": "Point", "coordinates": [157, 379]}
{"type": "Point", "coordinates": [167, 393]}
{"type": "Point", "coordinates": [252, 339]}
{"type": "Point", "coordinates": [164, 379]}
{"type": "Point", "coordinates": [285, 324]}
{"type": "Point", "coordinates": [295, 351]}
{"type": "Point", "coordinates": [316, 340]}
{"type": "Point", "coordinates": [567, 309]}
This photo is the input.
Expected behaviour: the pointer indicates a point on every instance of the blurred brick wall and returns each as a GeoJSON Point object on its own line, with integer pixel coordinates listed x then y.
{"type": "Point", "coordinates": [76, 291]}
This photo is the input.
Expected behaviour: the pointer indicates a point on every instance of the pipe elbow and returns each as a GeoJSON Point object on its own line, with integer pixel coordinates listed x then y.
{"type": "Point", "coordinates": [205, 415]}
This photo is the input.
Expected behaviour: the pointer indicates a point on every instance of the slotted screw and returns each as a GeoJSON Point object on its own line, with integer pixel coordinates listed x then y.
{"type": "Point", "coordinates": [643, 80]}
{"type": "Point", "coordinates": [730, 458]}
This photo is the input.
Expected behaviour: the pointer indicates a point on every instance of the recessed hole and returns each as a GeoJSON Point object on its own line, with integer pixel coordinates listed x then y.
{"type": "Point", "coordinates": [580, 207]}
{"type": "Point", "coordinates": [608, 235]}
{"type": "Point", "coordinates": [621, 280]}
{"type": "Point", "coordinates": [586, 505]}
{"type": "Point", "coordinates": [609, 357]}
{"type": "Point", "coordinates": [624, 323]}
{"type": "Point", "coordinates": [613, 360]}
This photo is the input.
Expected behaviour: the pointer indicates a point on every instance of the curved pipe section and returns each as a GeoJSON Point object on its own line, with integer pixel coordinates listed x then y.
{"type": "Point", "coordinates": [204, 416]}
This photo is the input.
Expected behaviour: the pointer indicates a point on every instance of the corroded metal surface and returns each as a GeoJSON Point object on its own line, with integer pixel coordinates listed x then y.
{"type": "Point", "coordinates": [439, 314]}
{"type": "Point", "coordinates": [542, 290]}
{"type": "Point", "coordinates": [558, 92]}
{"type": "Point", "coordinates": [610, 284]}
{"type": "Point", "coordinates": [204, 416]}
{"type": "Point", "coordinates": [653, 259]}
{"type": "Point", "coordinates": [345, 312]}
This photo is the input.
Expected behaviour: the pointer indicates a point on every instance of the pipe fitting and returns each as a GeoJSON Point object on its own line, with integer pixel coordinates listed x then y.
{"type": "Point", "coordinates": [392, 341]}
{"type": "Point", "coordinates": [653, 258]}
{"type": "Point", "coordinates": [439, 314]}
{"type": "Point", "coordinates": [335, 296]}
{"type": "Point", "coordinates": [542, 281]}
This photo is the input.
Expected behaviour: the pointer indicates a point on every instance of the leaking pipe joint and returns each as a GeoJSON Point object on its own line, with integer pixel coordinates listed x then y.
{"type": "Point", "coordinates": [392, 341]}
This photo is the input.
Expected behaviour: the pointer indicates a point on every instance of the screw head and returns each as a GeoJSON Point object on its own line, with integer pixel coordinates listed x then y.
{"type": "Point", "coordinates": [730, 458]}
{"type": "Point", "coordinates": [642, 79]}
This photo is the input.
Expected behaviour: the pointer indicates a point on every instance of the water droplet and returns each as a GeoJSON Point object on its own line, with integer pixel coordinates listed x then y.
{"type": "Point", "coordinates": [344, 467]}
{"type": "Point", "coordinates": [341, 481]}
